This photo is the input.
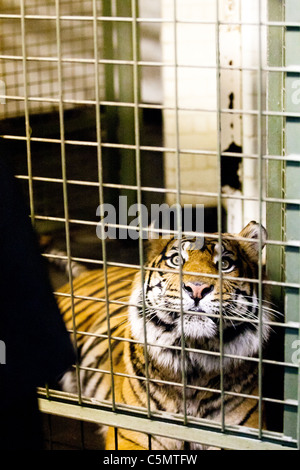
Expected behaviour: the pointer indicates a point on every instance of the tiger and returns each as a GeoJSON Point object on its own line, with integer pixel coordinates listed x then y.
{"type": "Point", "coordinates": [137, 331]}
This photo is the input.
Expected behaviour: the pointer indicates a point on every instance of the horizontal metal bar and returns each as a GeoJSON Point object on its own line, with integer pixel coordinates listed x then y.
{"type": "Point", "coordinates": [288, 243]}
{"type": "Point", "coordinates": [291, 243]}
{"type": "Point", "coordinates": [225, 196]}
{"type": "Point", "coordinates": [148, 148]}
{"type": "Point", "coordinates": [155, 426]}
{"type": "Point", "coordinates": [72, 397]}
{"type": "Point", "coordinates": [289, 402]}
{"type": "Point", "coordinates": [240, 112]}
{"type": "Point", "coordinates": [90, 60]}
{"type": "Point", "coordinates": [128, 147]}
{"type": "Point", "coordinates": [289, 324]}
{"type": "Point", "coordinates": [129, 19]}
{"type": "Point", "coordinates": [134, 266]}
{"type": "Point", "coordinates": [187, 349]}
{"type": "Point", "coordinates": [144, 63]}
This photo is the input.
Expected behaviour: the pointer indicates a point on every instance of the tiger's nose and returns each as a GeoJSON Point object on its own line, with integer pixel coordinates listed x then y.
{"type": "Point", "coordinates": [197, 290]}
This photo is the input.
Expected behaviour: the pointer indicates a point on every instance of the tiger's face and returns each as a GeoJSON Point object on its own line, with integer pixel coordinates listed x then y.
{"type": "Point", "coordinates": [197, 304]}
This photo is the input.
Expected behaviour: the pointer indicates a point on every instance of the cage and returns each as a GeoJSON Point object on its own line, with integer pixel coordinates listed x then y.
{"type": "Point", "coordinates": [189, 102]}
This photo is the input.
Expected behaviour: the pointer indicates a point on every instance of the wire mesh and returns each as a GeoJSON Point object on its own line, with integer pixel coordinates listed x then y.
{"type": "Point", "coordinates": [86, 57]}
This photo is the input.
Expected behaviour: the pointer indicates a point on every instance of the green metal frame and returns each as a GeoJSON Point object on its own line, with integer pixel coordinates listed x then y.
{"type": "Point", "coordinates": [292, 297]}
{"type": "Point", "coordinates": [234, 438]}
{"type": "Point", "coordinates": [292, 254]}
{"type": "Point", "coordinates": [275, 211]}
{"type": "Point", "coordinates": [275, 144]}
{"type": "Point", "coordinates": [283, 220]}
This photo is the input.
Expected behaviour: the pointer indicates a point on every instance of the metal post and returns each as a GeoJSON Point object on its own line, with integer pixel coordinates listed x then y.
{"type": "Point", "coordinates": [292, 254]}
{"type": "Point", "coordinates": [126, 131]}
{"type": "Point", "coordinates": [275, 211]}
{"type": "Point", "coordinates": [26, 110]}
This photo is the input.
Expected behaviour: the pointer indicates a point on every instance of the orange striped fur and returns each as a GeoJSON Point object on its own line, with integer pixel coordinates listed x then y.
{"type": "Point", "coordinates": [114, 309]}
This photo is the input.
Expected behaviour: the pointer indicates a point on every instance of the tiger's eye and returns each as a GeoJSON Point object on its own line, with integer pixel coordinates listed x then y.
{"type": "Point", "coordinates": [176, 260]}
{"type": "Point", "coordinates": [226, 264]}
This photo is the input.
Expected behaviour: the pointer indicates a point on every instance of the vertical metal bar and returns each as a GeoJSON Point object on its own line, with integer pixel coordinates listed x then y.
{"type": "Point", "coordinates": [275, 142]}
{"type": "Point", "coordinates": [275, 181]}
{"type": "Point", "coordinates": [26, 111]}
{"type": "Point", "coordinates": [111, 112]}
{"type": "Point", "coordinates": [116, 438]}
{"type": "Point", "coordinates": [149, 442]}
{"type": "Point", "coordinates": [126, 95]}
{"type": "Point", "coordinates": [108, 32]}
{"type": "Point", "coordinates": [49, 420]}
{"type": "Point", "coordinates": [138, 181]}
{"type": "Point", "coordinates": [65, 185]}
{"type": "Point", "coordinates": [219, 207]}
{"type": "Point", "coordinates": [178, 201]}
{"type": "Point", "coordinates": [101, 198]}
{"type": "Point", "coordinates": [298, 408]}
{"type": "Point", "coordinates": [260, 176]}
{"type": "Point", "coordinates": [292, 295]}
{"type": "Point", "coordinates": [82, 435]}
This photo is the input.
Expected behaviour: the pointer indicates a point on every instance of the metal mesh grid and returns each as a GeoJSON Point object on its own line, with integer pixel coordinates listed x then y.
{"type": "Point", "coordinates": [35, 39]}
{"type": "Point", "coordinates": [69, 71]}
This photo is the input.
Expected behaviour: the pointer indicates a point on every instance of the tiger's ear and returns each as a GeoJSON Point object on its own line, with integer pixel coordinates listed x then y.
{"type": "Point", "coordinates": [253, 230]}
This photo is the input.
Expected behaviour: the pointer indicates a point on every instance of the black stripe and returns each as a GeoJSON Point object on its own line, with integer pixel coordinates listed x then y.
{"type": "Point", "coordinates": [244, 293]}
{"type": "Point", "coordinates": [158, 322]}
{"type": "Point", "coordinates": [159, 442]}
{"type": "Point", "coordinates": [138, 397]}
{"type": "Point", "coordinates": [211, 404]}
{"type": "Point", "coordinates": [215, 404]}
{"type": "Point", "coordinates": [137, 366]}
{"type": "Point", "coordinates": [84, 320]}
{"type": "Point", "coordinates": [88, 376]}
{"type": "Point", "coordinates": [230, 333]}
{"type": "Point", "coordinates": [100, 361]}
{"type": "Point", "coordinates": [91, 279]}
{"type": "Point", "coordinates": [119, 357]}
{"type": "Point", "coordinates": [250, 412]}
{"type": "Point", "coordinates": [165, 249]}
{"type": "Point", "coordinates": [133, 442]}
{"type": "Point", "coordinates": [102, 321]}
{"type": "Point", "coordinates": [93, 345]}
{"type": "Point", "coordinates": [135, 362]}
{"type": "Point", "coordinates": [186, 445]}
{"type": "Point", "coordinates": [126, 438]}
{"type": "Point", "coordinates": [150, 274]}
{"type": "Point", "coordinates": [99, 290]}
{"type": "Point", "coordinates": [77, 302]}
{"type": "Point", "coordinates": [210, 247]}
{"type": "Point", "coordinates": [98, 340]}
{"type": "Point", "coordinates": [161, 324]}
